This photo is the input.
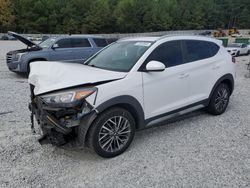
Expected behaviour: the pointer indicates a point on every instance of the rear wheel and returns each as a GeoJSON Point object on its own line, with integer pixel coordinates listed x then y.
{"type": "Point", "coordinates": [220, 99]}
{"type": "Point", "coordinates": [238, 54]}
{"type": "Point", "coordinates": [112, 132]}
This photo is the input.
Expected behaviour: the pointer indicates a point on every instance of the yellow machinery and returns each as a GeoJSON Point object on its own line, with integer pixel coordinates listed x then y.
{"type": "Point", "coordinates": [219, 33]}
{"type": "Point", "coordinates": [232, 31]}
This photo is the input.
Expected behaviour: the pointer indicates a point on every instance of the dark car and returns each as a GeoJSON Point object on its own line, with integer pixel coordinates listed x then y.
{"type": "Point", "coordinates": [74, 48]}
{"type": "Point", "coordinates": [206, 33]}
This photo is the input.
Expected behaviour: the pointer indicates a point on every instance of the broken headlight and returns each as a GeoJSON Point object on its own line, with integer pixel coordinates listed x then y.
{"type": "Point", "coordinates": [68, 98]}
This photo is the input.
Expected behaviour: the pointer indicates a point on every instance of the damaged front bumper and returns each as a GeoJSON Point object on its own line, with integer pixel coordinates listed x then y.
{"type": "Point", "coordinates": [59, 125]}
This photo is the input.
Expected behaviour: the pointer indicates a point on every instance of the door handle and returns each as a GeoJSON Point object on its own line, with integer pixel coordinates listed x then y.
{"type": "Point", "coordinates": [183, 75]}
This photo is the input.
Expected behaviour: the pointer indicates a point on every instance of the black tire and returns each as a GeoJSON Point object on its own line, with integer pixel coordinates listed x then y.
{"type": "Point", "coordinates": [238, 54]}
{"type": "Point", "coordinates": [248, 52]}
{"type": "Point", "coordinates": [219, 100]}
{"type": "Point", "coordinates": [111, 145]}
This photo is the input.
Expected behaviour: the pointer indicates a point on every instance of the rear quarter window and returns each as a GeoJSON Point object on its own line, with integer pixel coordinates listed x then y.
{"type": "Point", "coordinates": [196, 50]}
{"type": "Point", "coordinates": [100, 42]}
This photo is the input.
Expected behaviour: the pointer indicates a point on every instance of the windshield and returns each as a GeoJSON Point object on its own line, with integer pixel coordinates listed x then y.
{"type": "Point", "coordinates": [47, 43]}
{"type": "Point", "coordinates": [119, 56]}
{"type": "Point", "coordinates": [234, 45]}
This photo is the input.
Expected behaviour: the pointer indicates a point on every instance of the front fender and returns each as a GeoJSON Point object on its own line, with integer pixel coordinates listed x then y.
{"type": "Point", "coordinates": [128, 102]}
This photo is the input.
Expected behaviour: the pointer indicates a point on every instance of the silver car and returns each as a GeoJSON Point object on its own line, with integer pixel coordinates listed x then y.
{"type": "Point", "coordinates": [71, 48]}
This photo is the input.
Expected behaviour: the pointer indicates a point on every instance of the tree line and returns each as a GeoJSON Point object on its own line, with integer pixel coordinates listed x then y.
{"type": "Point", "coordinates": [121, 16]}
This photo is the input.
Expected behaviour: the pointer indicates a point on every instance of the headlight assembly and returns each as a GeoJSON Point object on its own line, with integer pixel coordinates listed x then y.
{"type": "Point", "coordinates": [17, 57]}
{"type": "Point", "coordinates": [68, 98]}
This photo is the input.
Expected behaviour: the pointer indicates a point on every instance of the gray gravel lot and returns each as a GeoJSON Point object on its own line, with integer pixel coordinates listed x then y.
{"type": "Point", "coordinates": [198, 151]}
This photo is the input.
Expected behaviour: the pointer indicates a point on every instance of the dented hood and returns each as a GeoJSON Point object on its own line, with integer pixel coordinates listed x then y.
{"type": "Point", "coordinates": [48, 76]}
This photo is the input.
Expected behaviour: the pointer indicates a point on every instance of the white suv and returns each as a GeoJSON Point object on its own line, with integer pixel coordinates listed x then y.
{"type": "Point", "coordinates": [129, 85]}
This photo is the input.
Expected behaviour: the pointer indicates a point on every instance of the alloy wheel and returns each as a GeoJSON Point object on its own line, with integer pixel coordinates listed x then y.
{"type": "Point", "coordinates": [114, 134]}
{"type": "Point", "coordinates": [221, 99]}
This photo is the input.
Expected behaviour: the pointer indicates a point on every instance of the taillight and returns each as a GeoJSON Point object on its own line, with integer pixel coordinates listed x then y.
{"type": "Point", "coordinates": [233, 60]}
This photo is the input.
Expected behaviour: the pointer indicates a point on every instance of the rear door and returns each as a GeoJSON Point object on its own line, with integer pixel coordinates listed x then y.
{"type": "Point", "coordinates": [82, 49]}
{"type": "Point", "coordinates": [202, 67]}
{"type": "Point", "coordinates": [63, 51]}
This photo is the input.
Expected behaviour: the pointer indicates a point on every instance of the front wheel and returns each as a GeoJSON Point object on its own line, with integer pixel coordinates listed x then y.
{"type": "Point", "coordinates": [238, 54]}
{"type": "Point", "coordinates": [112, 132]}
{"type": "Point", "coordinates": [219, 100]}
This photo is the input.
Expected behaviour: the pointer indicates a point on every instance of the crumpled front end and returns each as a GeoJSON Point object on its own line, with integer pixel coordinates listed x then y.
{"type": "Point", "coordinates": [58, 124]}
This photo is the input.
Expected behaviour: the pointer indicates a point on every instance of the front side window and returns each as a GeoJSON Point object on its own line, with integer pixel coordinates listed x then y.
{"type": "Point", "coordinates": [120, 56]}
{"type": "Point", "coordinates": [196, 50]}
{"type": "Point", "coordinates": [169, 53]}
{"type": "Point", "coordinates": [64, 43]}
{"type": "Point", "coordinates": [80, 42]}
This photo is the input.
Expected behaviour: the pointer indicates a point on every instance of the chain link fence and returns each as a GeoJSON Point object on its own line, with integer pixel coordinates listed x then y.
{"type": "Point", "coordinates": [122, 35]}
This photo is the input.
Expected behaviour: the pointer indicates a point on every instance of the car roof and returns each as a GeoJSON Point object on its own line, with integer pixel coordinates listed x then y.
{"type": "Point", "coordinates": [149, 39]}
{"type": "Point", "coordinates": [76, 36]}
{"type": "Point", "coordinates": [176, 37]}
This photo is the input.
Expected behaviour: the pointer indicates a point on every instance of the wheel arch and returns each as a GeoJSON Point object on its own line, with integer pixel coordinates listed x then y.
{"type": "Point", "coordinates": [227, 79]}
{"type": "Point", "coordinates": [129, 103]}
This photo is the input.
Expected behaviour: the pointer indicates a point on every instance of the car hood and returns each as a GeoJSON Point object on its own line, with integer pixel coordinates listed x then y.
{"type": "Point", "coordinates": [48, 76]}
{"type": "Point", "coordinates": [23, 39]}
{"type": "Point", "coordinates": [229, 48]}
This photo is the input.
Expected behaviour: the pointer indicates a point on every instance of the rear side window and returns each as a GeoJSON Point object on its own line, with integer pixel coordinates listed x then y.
{"type": "Point", "coordinates": [64, 43]}
{"type": "Point", "coordinates": [169, 53]}
{"type": "Point", "coordinates": [80, 42]}
{"type": "Point", "coordinates": [100, 42]}
{"type": "Point", "coordinates": [197, 50]}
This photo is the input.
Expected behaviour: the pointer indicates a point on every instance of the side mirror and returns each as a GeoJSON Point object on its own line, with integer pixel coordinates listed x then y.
{"type": "Point", "coordinates": [155, 66]}
{"type": "Point", "coordinates": [55, 46]}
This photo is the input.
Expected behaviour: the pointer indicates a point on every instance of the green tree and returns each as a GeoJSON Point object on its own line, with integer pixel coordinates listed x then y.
{"type": "Point", "coordinates": [123, 16]}
{"type": "Point", "coordinates": [6, 15]}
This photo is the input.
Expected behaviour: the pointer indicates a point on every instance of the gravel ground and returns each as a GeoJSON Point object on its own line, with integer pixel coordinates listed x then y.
{"type": "Point", "coordinates": [198, 151]}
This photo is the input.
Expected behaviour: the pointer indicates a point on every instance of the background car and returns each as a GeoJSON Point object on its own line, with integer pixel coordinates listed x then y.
{"type": "Point", "coordinates": [7, 37]}
{"type": "Point", "coordinates": [206, 33]}
{"type": "Point", "coordinates": [236, 49]}
{"type": "Point", "coordinates": [74, 48]}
